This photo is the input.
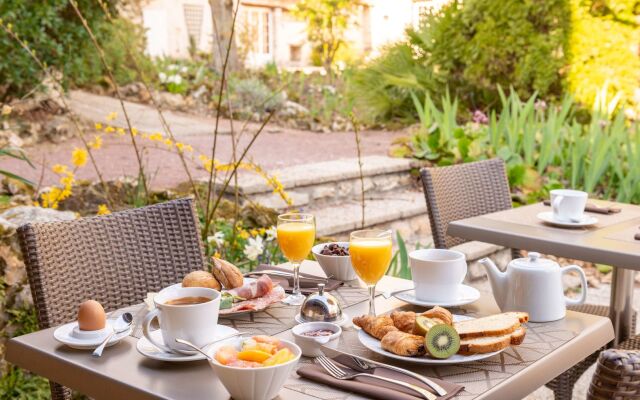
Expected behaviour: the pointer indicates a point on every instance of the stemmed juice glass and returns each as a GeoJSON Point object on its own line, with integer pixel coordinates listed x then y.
{"type": "Point", "coordinates": [370, 252]}
{"type": "Point", "coordinates": [296, 235]}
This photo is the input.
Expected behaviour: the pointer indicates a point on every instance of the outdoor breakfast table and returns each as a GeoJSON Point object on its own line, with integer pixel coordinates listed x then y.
{"type": "Point", "coordinates": [610, 241]}
{"type": "Point", "coordinates": [123, 373]}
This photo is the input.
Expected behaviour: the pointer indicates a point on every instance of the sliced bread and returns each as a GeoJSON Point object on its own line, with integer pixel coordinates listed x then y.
{"type": "Point", "coordinates": [489, 344]}
{"type": "Point", "coordinates": [494, 325]}
{"type": "Point", "coordinates": [522, 316]}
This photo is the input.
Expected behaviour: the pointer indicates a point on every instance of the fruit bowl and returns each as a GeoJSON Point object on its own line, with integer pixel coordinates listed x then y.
{"type": "Point", "coordinates": [337, 267]}
{"type": "Point", "coordinates": [260, 383]}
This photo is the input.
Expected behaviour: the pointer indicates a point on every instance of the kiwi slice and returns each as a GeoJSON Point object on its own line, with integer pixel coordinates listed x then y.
{"type": "Point", "coordinates": [442, 341]}
{"type": "Point", "coordinates": [423, 324]}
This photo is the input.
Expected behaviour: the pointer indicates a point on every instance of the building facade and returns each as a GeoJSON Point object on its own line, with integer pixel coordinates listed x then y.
{"type": "Point", "coordinates": [267, 32]}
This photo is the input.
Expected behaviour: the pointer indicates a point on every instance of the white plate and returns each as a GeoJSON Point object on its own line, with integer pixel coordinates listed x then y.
{"type": "Point", "coordinates": [147, 349]}
{"type": "Point", "coordinates": [222, 313]}
{"type": "Point", "coordinates": [466, 295]}
{"type": "Point", "coordinates": [341, 322]}
{"type": "Point", "coordinates": [373, 344]}
{"type": "Point", "coordinates": [64, 334]}
{"type": "Point", "coordinates": [587, 220]}
{"type": "Point", "coordinates": [179, 285]}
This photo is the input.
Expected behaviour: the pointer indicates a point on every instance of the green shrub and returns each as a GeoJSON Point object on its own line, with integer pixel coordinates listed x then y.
{"type": "Point", "coordinates": [470, 49]}
{"type": "Point", "coordinates": [543, 147]}
{"type": "Point", "coordinates": [605, 39]}
{"type": "Point", "coordinates": [56, 34]}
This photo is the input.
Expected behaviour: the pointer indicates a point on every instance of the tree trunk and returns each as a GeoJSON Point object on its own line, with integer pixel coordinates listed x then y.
{"type": "Point", "coordinates": [222, 17]}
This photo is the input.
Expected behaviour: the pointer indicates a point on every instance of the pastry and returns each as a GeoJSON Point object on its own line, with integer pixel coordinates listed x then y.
{"type": "Point", "coordinates": [404, 320]}
{"type": "Point", "coordinates": [403, 344]}
{"type": "Point", "coordinates": [228, 274]}
{"type": "Point", "coordinates": [377, 327]}
{"type": "Point", "coordinates": [441, 314]}
{"type": "Point", "coordinates": [200, 279]}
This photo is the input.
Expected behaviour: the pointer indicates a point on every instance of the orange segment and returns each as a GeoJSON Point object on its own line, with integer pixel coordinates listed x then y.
{"type": "Point", "coordinates": [226, 355]}
{"type": "Point", "coordinates": [253, 355]}
{"type": "Point", "coordinates": [281, 357]}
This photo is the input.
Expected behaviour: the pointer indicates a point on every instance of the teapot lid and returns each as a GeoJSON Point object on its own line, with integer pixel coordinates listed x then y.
{"type": "Point", "coordinates": [533, 260]}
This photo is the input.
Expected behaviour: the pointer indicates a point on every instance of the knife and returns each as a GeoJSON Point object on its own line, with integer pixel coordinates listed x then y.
{"type": "Point", "coordinates": [333, 353]}
{"type": "Point", "coordinates": [285, 274]}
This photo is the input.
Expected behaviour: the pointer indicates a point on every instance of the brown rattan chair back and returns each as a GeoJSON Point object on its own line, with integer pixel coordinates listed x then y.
{"type": "Point", "coordinates": [115, 259]}
{"type": "Point", "coordinates": [463, 191]}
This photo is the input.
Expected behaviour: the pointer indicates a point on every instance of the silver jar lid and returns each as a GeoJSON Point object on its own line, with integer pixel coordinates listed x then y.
{"type": "Point", "coordinates": [321, 306]}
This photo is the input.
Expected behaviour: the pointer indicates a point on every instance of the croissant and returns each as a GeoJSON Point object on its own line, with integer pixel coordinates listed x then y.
{"type": "Point", "coordinates": [377, 327]}
{"type": "Point", "coordinates": [403, 344]}
{"type": "Point", "coordinates": [404, 320]}
{"type": "Point", "coordinates": [440, 313]}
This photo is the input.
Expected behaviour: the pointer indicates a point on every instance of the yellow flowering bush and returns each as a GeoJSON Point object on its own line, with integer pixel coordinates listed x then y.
{"type": "Point", "coordinates": [79, 157]}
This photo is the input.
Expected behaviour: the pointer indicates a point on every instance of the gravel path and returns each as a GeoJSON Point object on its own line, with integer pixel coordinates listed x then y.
{"type": "Point", "coordinates": [276, 147]}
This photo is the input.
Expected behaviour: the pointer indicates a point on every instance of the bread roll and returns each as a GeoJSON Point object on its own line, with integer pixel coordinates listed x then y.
{"type": "Point", "coordinates": [201, 279]}
{"type": "Point", "coordinates": [228, 274]}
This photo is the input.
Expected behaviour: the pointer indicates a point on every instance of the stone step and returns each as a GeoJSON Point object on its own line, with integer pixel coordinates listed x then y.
{"type": "Point", "coordinates": [391, 210]}
{"type": "Point", "coordinates": [331, 181]}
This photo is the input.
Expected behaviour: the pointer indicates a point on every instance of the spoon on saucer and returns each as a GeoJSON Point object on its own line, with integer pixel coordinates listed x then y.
{"type": "Point", "coordinates": [199, 350]}
{"type": "Point", "coordinates": [120, 325]}
{"type": "Point", "coordinates": [388, 294]}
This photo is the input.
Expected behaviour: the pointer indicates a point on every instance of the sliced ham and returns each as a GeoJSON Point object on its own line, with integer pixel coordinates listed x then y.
{"type": "Point", "coordinates": [257, 304]}
{"type": "Point", "coordinates": [255, 289]}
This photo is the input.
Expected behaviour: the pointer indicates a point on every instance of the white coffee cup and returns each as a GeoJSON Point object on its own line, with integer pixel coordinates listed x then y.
{"type": "Point", "coordinates": [568, 205]}
{"type": "Point", "coordinates": [193, 322]}
{"type": "Point", "coordinates": [437, 273]}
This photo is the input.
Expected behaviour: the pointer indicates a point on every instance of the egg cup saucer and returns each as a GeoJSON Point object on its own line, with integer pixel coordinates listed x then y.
{"type": "Point", "coordinates": [65, 334]}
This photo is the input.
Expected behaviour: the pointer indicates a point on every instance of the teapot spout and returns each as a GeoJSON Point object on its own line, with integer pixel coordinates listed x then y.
{"type": "Point", "coordinates": [498, 280]}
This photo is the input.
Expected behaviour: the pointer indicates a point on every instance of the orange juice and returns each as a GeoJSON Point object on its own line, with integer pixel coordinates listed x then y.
{"type": "Point", "coordinates": [370, 258]}
{"type": "Point", "coordinates": [296, 239]}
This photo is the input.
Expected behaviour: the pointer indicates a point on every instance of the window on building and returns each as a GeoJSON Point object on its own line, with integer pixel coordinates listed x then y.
{"type": "Point", "coordinates": [255, 24]}
{"type": "Point", "coordinates": [295, 53]}
{"type": "Point", "coordinates": [193, 14]}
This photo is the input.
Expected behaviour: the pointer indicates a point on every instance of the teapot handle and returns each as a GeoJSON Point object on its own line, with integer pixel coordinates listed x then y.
{"type": "Point", "coordinates": [583, 282]}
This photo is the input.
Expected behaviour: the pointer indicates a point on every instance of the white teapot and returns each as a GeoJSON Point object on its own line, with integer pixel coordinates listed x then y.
{"type": "Point", "coordinates": [534, 285]}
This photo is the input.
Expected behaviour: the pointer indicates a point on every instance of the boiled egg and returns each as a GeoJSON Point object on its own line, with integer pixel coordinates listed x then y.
{"type": "Point", "coordinates": [91, 316]}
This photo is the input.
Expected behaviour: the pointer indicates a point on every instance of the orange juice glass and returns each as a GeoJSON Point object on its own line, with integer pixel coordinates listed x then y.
{"type": "Point", "coordinates": [296, 235]}
{"type": "Point", "coordinates": [370, 252]}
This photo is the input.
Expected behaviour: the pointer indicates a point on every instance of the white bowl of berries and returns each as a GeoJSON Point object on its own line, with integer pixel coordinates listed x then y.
{"type": "Point", "coordinates": [335, 261]}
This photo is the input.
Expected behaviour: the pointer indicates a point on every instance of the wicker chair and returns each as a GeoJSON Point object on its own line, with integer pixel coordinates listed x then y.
{"type": "Point", "coordinates": [617, 374]}
{"type": "Point", "coordinates": [477, 188]}
{"type": "Point", "coordinates": [115, 259]}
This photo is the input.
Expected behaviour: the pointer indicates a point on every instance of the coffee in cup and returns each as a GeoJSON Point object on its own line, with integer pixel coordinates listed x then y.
{"type": "Point", "coordinates": [437, 274]}
{"type": "Point", "coordinates": [568, 205]}
{"type": "Point", "coordinates": [184, 313]}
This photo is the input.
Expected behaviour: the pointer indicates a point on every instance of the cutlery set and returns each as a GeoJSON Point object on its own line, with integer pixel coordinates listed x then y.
{"type": "Point", "coordinates": [365, 367]}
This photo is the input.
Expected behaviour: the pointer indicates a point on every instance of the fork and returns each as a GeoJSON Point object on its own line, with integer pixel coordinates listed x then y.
{"type": "Point", "coordinates": [342, 375]}
{"type": "Point", "coordinates": [362, 364]}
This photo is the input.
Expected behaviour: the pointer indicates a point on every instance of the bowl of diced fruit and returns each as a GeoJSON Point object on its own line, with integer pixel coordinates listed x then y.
{"type": "Point", "coordinates": [335, 261]}
{"type": "Point", "coordinates": [254, 368]}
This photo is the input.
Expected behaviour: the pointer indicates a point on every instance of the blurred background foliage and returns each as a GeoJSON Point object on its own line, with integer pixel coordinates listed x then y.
{"type": "Point", "coordinates": [551, 48]}
{"type": "Point", "coordinates": [54, 32]}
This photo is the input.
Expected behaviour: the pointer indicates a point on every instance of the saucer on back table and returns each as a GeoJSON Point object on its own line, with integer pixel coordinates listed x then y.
{"type": "Point", "coordinates": [587, 220]}
{"type": "Point", "coordinates": [466, 295]}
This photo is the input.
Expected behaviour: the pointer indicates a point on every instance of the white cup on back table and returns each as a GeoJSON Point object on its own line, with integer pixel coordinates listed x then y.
{"type": "Point", "coordinates": [437, 273]}
{"type": "Point", "coordinates": [568, 205]}
{"type": "Point", "coordinates": [194, 322]}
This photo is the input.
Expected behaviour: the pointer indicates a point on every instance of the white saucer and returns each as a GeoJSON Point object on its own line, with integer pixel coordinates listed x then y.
{"type": "Point", "coordinates": [147, 349]}
{"type": "Point", "coordinates": [341, 322]}
{"type": "Point", "coordinates": [587, 220]}
{"type": "Point", "coordinates": [466, 295]}
{"type": "Point", "coordinates": [65, 334]}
